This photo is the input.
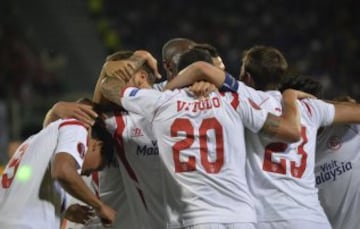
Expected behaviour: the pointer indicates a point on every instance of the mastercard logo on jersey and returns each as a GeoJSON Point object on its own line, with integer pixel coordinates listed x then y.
{"type": "Point", "coordinates": [334, 143]}
{"type": "Point", "coordinates": [81, 149]}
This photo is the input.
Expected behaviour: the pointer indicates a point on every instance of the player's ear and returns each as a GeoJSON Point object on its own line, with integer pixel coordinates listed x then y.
{"type": "Point", "coordinates": [140, 79]}
{"type": "Point", "coordinates": [247, 79]}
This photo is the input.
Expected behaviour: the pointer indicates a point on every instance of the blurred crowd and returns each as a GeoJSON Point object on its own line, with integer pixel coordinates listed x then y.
{"type": "Point", "coordinates": [27, 79]}
{"type": "Point", "coordinates": [319, 38]}
{"type": "Point", "coordinates": [25, 71]}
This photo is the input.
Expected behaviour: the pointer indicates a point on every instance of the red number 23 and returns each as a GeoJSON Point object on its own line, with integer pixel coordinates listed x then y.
{"type": "Point", "coordinates": [296, 171]}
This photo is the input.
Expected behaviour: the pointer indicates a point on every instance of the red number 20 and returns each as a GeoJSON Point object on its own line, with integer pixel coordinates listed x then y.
{"type": "Point", "coordinates": [184, 125]}
{"type": "Point", "coordinates": [296, 171]}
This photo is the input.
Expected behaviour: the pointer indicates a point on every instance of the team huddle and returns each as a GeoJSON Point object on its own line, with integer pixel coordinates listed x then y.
{"type": "Point", "coordinates": [201, 150]}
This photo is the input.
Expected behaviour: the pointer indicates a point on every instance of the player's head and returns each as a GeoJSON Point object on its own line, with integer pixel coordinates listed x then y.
{"type": "Point", "coordinates": [100, 142]}
{"type": "Point", "coordinates": [145, 72]}
{"type": "Point", "coordinates": [217, 60]}
{"type": "Point", "coordinates": [171, 51]}
{"type": "Point", "coordinates": [263, 67]}
{"type": "Point", "coordinates": [302, 83]}
{"type": "Point", "coordinates": [193, 55]}
{"type": "Point", "coordinates": [100, 148]}
{"type": "Point", "coordinates": [142, 78]}
{"type": "Point", "coordinates": [119, 55]}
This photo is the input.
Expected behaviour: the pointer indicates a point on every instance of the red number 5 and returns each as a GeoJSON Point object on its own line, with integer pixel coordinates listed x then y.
{"type": "Point", "coordinates": [184, 125]}
{"type": "Point", "coordinates": [7, 178]}
{"type": "Point", "coordinates": [296, 171]}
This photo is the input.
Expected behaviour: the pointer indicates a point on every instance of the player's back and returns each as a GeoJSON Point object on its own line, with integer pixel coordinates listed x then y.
{"type": "Point", "coordinates": [337, 166]}
{"type": "Point", "coordinates": [203, 153]}
{"type": "Point", "coordinates": [138, 159]}
{"type": "Point", "coordinates": [112, 193]}
{"type": "Point", "coordinates": [27, 192]}
{"type": "Point", "coordinates": [281, 176]}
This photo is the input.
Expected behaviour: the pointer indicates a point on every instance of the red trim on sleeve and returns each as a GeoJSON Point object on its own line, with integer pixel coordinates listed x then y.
{"type": "Point", "coordinates": [123, 92]}
{"type": "Point", "coordinates": [308, 107]}
{"type": "Point", "coordinates": [72, 122]}
{"type": "Point", "coordinates": [263, 101]}
{"type": "Point", "coordinates": [254, 105]}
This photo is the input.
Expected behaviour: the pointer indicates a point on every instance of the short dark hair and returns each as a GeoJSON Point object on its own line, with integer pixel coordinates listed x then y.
{"type": "Point", "coordinates": [98, 129]}
{"type": "Point", "coordinates": [99, 132]}
{"type": "Point", "coordinates": [265, 64]}
{"type": "Point", "coordinates": [211, 49]}
{"type": "Point", "coordinates": [302, 83]}
{"type": "Point", "coordinates": [171, 52]}
{"type": "Point", "coordinates": [174, 46]}
{"type": "Point", "coordinates": [192, 56]}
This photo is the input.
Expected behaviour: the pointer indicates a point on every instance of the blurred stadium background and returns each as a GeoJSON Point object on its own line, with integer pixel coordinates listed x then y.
{"type": "Point", "coordinates": [52, 50]}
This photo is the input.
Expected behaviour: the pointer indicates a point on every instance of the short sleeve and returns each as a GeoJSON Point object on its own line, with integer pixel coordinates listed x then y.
{"type": "Point", "coordinates": [320, 112]}
{"type": "Point", "coordinates": [72, 140]}
{"type": "Point", "coordinates": [252, 116]}
{"type": "Point", "coordinates": [141, 101]}
{"type": "Point", "coordinates": [160, 86]}
{"type": "Point", "coordinates": [249, 92]}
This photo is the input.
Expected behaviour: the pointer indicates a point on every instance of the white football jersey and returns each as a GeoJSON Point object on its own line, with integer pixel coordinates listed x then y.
{"type": "Point", "coordinates": [138, 159]}
{"type": "Point", "coordinates": [94, 222]}
{"type": "Point", "coordinates": [202, 150]}
{"type": "Point", "coordinates": [29, 197]}
{"type": "Point", "coordinates": [160, 86]}
{"type": "Point", "coordinates": [337, 169]}
{"type": "Point", "coordinates": [112, 193]}
{"type": "Point", "coordinates": [281, 176]}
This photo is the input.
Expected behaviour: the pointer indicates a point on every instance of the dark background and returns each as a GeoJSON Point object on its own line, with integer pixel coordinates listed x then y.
{"type": "Point", "coordinates": [53, 50]}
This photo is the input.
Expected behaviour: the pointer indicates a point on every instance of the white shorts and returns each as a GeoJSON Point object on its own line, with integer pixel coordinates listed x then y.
{"type": "Point", "coordinates": [222, 226]}
{"type": "Point", "coordinates": [293, 224]}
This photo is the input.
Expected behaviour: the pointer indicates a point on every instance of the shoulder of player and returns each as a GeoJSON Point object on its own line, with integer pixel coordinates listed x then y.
{"type": "Point", "coordinates": [70, 122]}
{"type": "Point", "coordinates": [310, 106]}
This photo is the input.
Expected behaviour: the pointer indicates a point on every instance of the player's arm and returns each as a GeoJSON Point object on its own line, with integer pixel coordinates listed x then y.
{"type": "Point", "coordinates": [112, 88]}
{"type": "Point", "coordinates": [286, 127]}
{"type": "Point", "coordinates": [64, 170]}
{"type": "Point", "coordinates": [82, 112]}
{"type": "Point", "coordinates": [202, 71]}
{"type": "Point", "coordinates": [124, 69]}
{"type": "Point", "coordinates": [346, 112]}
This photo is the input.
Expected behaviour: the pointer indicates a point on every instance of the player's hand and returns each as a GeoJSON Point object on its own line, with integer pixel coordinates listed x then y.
{"type": "Point", "coordinates": [79, 213]}
{"type": "Point", "coordinates": [296, 94]}
{"type": "Point", "coordinates": [151, 61]}
{"type": "Point", "coordinates": [106, 214]}
{"type": "Point", "coordinates": [122, 69]}
{"type": "Point", "coordinates": [202, 88]}
{"type": "Point", "coordinates": [82, 112]}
